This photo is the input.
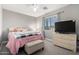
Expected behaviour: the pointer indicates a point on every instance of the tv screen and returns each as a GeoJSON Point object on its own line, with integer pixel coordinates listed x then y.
{"type": "Point", "coordinates": [65, 26]}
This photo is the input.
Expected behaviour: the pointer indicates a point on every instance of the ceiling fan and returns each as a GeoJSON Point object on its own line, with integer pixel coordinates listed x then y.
{"type": "Point", "coordinates": [36, 6]}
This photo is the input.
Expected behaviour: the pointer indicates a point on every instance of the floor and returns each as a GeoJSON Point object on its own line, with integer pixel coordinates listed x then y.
{"type": "Point", "coordinates": [49, 49]}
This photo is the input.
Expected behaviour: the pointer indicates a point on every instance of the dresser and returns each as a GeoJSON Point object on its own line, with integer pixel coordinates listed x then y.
{"type": "Point", "coordinates": [67, 41]}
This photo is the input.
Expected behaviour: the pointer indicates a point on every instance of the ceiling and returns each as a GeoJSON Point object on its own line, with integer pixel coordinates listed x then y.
{"type": "Point", "coordinates": [27, 9]}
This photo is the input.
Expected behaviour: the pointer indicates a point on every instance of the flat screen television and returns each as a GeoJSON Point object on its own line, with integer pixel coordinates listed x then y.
{"type": "Point", "coordinates": [65, 26]}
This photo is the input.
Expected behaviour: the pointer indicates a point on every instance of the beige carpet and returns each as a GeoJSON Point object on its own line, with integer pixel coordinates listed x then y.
{"type": "Point", "coordinates": [49, 49]}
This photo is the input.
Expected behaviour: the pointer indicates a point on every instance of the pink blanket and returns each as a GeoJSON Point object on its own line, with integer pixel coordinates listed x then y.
{"type": "Point", "coordinates": [14, 44]}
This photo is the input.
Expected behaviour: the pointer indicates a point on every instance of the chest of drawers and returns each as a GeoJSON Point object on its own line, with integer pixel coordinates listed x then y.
{"type": "Point", "coordinates": [67, 41]}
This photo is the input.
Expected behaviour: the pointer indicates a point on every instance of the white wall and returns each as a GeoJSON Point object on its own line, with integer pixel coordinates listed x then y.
{"type": "Point", "coordinates": [39, 23]}
{"type": "Point", "coordinates": [11, 19]}
{"type": "Point", "coordinates": [0, 21]}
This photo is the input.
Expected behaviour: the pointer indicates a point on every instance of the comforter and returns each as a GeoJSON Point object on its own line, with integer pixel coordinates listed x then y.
{"type": "Point", "coordinates": [14, 44]}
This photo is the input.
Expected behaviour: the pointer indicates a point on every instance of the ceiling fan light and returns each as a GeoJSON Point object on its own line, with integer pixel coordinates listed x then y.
{"type": "Point", "coordinates": [35, 9]}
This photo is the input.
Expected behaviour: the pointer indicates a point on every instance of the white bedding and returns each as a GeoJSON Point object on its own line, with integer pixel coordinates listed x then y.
{"type": "Point", "coordinates": [19, 34]}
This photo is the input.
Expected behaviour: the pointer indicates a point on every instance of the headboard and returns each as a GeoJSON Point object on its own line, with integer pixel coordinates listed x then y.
{"type": "Point", "coordinates": [18, 29]}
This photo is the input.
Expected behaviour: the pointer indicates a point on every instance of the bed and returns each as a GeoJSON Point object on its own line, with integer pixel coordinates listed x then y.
{"type": "Point", "coordinates": [20, 36]}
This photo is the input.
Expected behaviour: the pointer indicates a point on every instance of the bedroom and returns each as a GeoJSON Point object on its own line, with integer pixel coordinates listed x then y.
{"type": "Point", "coordinates": [29, 18]}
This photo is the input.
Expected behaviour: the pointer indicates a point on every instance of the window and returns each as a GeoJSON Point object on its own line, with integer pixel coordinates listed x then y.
{"type": "Point", "coordinates": [49, 22]}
